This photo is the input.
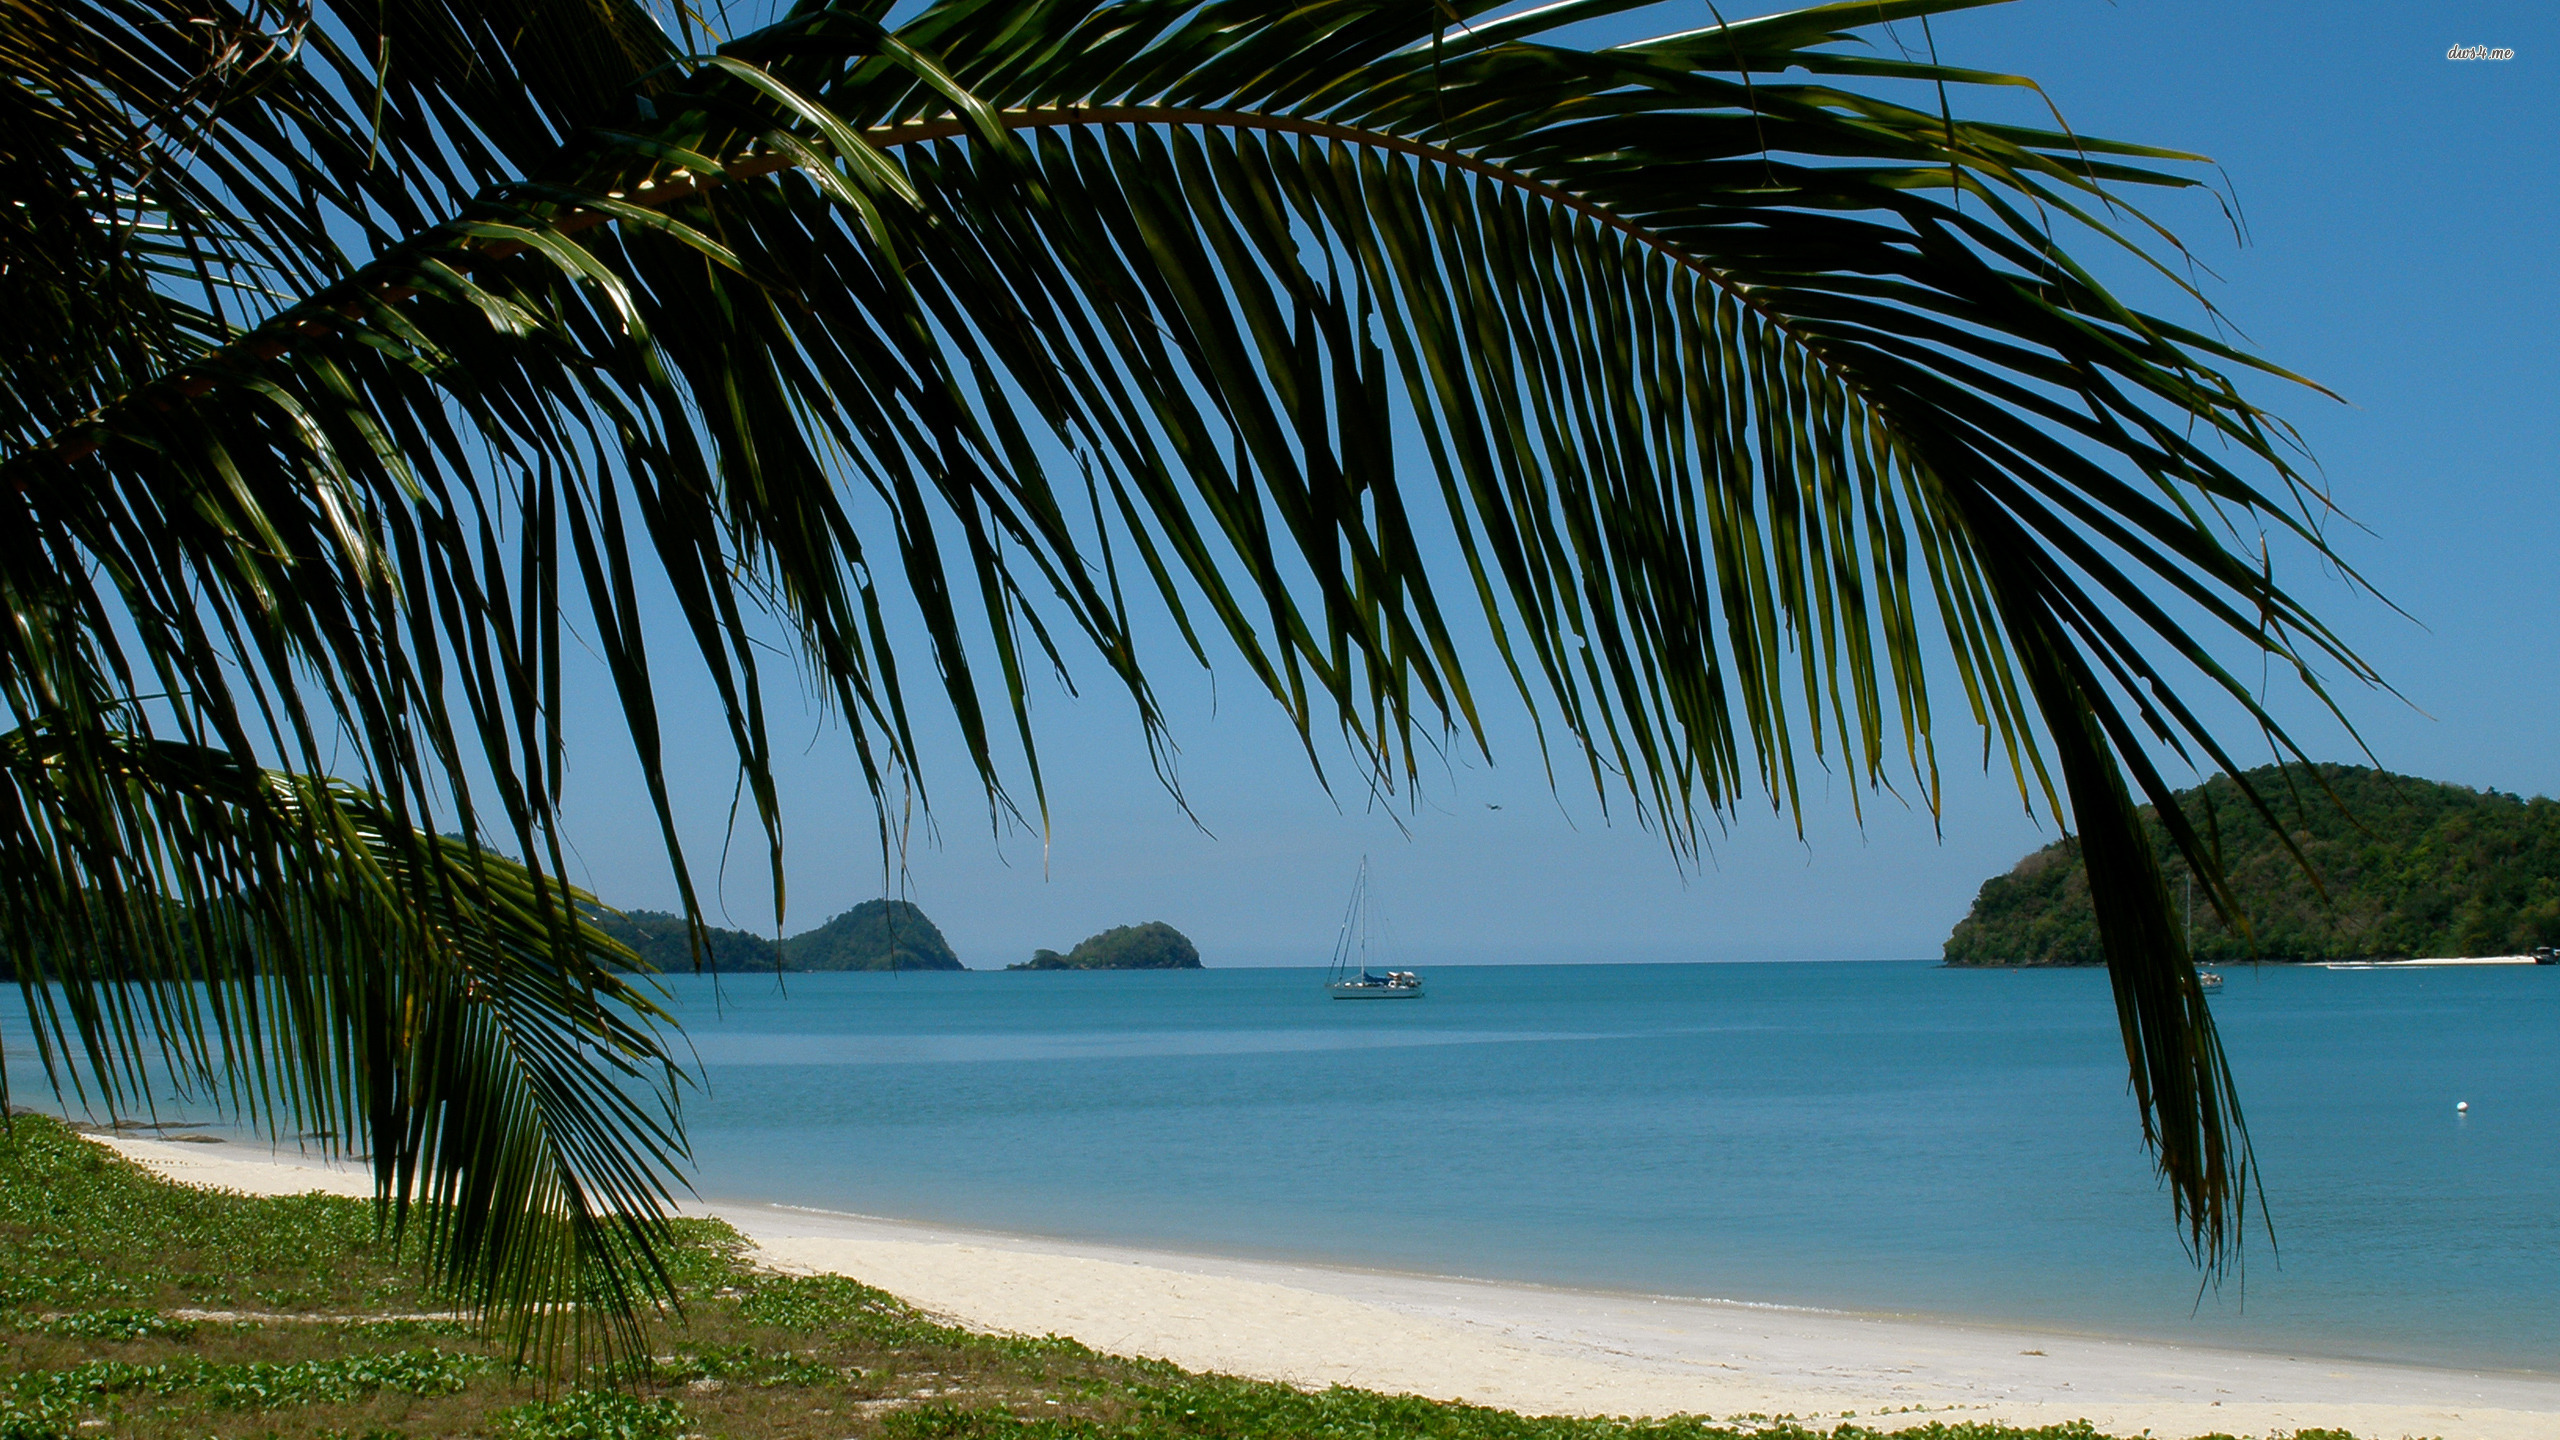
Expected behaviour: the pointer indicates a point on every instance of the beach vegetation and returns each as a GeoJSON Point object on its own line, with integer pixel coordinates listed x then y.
{"type": "Point", "coordinates": [2360, 864]}
{"type": "Point", "coordinates": [593, 1415]}
{"type": "Point", "coordinates": [371, 370]}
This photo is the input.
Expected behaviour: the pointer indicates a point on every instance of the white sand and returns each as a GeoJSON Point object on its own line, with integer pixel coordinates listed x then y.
{"type": "Point", "coordinates": [1560, 1351]}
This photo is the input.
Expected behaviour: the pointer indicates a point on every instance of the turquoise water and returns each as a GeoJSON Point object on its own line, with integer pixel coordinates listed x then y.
{"type": "Point", "coordinates": [1894, 1137]}
{"type": "Point", "coordinates": [1881, 1137]}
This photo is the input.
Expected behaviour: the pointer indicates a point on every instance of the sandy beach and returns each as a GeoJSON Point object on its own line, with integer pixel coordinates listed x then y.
{"type": "Point", "coordinates": [1549, 1351]}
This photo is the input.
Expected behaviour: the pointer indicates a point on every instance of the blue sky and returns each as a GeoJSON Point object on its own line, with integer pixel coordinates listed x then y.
{"type": "Point", "coordinates": [2399, 216]}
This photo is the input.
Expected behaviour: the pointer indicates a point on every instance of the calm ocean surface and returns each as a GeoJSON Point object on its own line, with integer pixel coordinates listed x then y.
{"type": "Point", "coordinates": [1894, 1137]}
{"type": "Point", "coordinates": [1878, 1137]}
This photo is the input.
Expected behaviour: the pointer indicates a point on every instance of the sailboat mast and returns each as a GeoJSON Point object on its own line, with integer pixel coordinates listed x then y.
{"type": "Point", "coordinates": [1355, 916]}
{"type": "Point", "coordinates": [1364, 914]}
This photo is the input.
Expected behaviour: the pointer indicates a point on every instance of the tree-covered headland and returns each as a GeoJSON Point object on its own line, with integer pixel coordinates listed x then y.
{"type": "Point", "coordinates": [659, 939]}
{"type": "Point", "coordinates": [874, 935]}
{"type": "Point", "coordinates": [2406, 867]}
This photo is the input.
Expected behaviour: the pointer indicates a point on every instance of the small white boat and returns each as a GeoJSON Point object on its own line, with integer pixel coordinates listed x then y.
{"type": "Point", "coordinates": [2209, 980]}
{"type": "Point", "coordinates": [1351, 978]}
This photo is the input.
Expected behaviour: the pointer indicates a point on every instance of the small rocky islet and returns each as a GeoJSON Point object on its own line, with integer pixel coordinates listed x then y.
{"type": "Point", "coordinates": [1152, 946]}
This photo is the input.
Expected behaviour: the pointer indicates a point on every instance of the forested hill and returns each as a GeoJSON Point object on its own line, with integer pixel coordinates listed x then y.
{"type": "Point", "coordinates": [658, 938]}
{"type": "Point", "coordinates": [1152, 946]}
{"type": "Point", "coordinates": [2421, 868]}
{"type": "Point", "coordinates": [874, 935]}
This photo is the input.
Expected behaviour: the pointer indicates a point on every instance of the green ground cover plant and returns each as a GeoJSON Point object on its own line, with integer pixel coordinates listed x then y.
{"type": "Point", "coordinates": [116, 1285]}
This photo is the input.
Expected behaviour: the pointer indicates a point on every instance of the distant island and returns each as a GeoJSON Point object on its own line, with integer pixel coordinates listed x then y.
{"type": "Point", "coordinates": [2412, 867]}
{"type": "Point", "coordinates": [874, 935]}
{"type": "Point", "coordinates": [1152, 946]}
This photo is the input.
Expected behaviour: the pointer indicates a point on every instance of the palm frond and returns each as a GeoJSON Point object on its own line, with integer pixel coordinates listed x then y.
{"type": "Point", "coordinates": [1753, 398]}
{"type": "Point", "coordinates": [279, 946]}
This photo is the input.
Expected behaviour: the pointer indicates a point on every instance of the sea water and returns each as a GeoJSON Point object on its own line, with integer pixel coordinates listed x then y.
{"type": "Point", "coordinates": [1896, 1138]}
{"type": "Point", "coordinates": [1893, 1138]}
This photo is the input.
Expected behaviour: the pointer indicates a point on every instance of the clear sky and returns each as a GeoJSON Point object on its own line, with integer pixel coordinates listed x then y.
{"type": "Point", "coordinates": [2400, 212]}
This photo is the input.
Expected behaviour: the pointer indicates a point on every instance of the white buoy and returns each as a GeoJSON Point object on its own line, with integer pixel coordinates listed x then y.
{"type": "Point", "coordinates": [2462, 1107]}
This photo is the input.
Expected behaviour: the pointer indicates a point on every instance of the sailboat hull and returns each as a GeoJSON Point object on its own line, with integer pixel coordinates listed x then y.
{"type": "Point", "coordinates": [1348, 990]}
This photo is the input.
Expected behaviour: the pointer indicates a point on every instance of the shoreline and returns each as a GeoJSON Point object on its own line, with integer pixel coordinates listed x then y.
{"type": "Point", "coordinates": [1216, 1261]}
{"type": "Point", "coordinates": [1547, 1350]}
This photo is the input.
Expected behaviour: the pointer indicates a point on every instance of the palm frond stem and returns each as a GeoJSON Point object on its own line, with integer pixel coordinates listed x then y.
{"type": "Point", "coordinates": [317, 316]}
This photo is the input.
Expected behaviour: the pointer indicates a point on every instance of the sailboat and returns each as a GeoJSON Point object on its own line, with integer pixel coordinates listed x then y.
{"type": "Point", "coordinates": [1351, 978]}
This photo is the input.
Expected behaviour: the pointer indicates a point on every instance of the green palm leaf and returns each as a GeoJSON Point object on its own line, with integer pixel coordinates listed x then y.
{"type": "Point", "coordinates": [299, 955]}
{"type": "Point", "coordinates": [1753, 399]}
